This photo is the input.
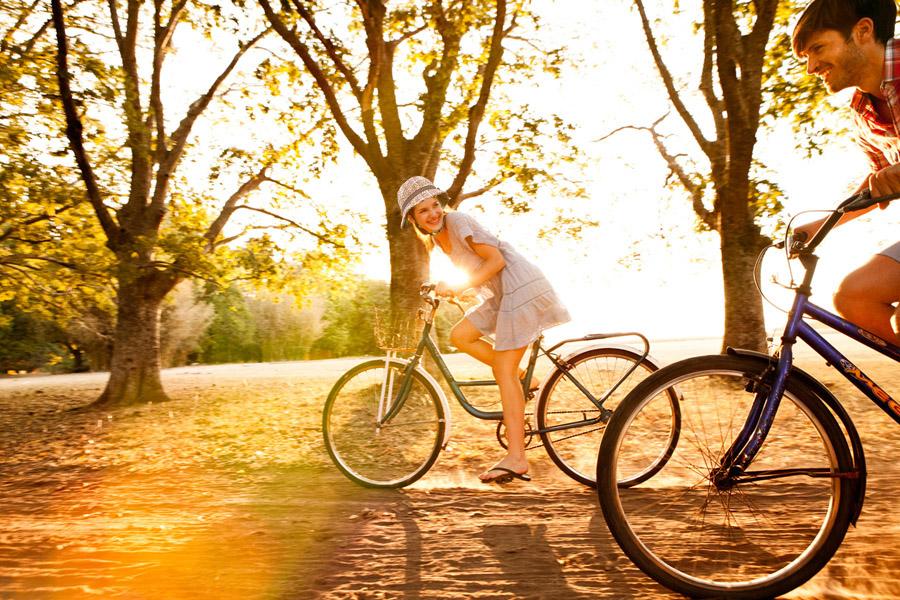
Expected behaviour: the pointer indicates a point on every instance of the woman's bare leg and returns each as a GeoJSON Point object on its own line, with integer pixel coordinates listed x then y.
{"type": "Point", "coordinates": [506, 372]}
{"type": "Point", "coordinates": [505, 365]}
{"type": "Point", "coordinates": [466, 337]}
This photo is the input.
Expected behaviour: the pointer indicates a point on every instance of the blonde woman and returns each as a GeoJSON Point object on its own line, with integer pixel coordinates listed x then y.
{"type": "Point", "coordinates": [518, 303]}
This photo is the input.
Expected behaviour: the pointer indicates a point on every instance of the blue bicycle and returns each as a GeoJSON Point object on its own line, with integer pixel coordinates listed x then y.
{"type": "Point", "coordinates": [768, 472]}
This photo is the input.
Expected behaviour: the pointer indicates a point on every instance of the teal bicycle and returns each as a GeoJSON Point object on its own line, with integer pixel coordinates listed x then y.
{"type": "Point", "coordinates": [386, 420]}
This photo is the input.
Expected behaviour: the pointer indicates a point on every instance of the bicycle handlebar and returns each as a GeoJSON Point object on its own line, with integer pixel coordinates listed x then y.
{"type": "Point", "coordinates": [427, 293]}
{"type": "Point", "coordinates": [854, 203]}
{"type": "Point", "coordinates": [864, 200]}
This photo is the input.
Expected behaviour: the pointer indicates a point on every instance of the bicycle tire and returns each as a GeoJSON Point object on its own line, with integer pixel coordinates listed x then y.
{"type": "Point", "coordinates": [757, 539]}
{"type": "Point", "coordinates": [574, 450]}
{"type": "Point", "coordinates": [399, 452]}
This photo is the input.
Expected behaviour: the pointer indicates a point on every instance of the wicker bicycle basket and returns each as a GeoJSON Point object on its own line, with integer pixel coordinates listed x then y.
{"type": "Point", "coordinates": [399, 334]}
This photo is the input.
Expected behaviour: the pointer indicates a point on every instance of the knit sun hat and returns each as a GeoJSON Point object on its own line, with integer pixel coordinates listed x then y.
{"type": "Point", "coordinates": [414, 190]}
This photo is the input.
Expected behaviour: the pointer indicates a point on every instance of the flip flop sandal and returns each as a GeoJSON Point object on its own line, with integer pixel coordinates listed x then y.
{"type": "Point", "coordinates": [508, 475]}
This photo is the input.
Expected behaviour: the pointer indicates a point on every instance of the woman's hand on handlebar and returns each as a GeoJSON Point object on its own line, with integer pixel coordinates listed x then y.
{"type": "Point", "coordinates": [459, 292]}
{"type": "Point", "coordinates": [445, 290]}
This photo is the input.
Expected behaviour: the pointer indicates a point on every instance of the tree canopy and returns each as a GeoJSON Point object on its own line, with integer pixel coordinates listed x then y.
{"type": "Point", "coordinates": [161, 216]}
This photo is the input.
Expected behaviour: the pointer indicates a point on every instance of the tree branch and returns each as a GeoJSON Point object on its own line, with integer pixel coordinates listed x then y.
{"type": "Point", "coordinates": [21, 260]}
{"type": "Point", "coordinates": [729, 60]}
{"type": "Point", "coordinates": [138, 134]}
{"type": "Point", "coordinates": [181, 134]}
{"type": "Point", "coordinates": [437, 77]}
{"type": "Point", "coordinates": [381, 79]}
{"type": "Point", "coordinates": [319, 76]}
{"type": "Point", "coordinates": [117, 27]}
{"type": "Point", "coordinates": [476, 113]}
{"type": "Point", "coordinates": [669, 84]}
{"type": "Point", "coordinates": [474, 194]}
{"type": "Point", "coordinates": [74, 129]}
{"type": "Point", "coordinates": [716, 106]}
{"type": "Point", "coordinates": [162, 37]}
{"type": "Point", "coordinates": [12, 228]}
{"type": "Point", "coordinates": [330, 48]}
{"type": "Point", "coordinates": [708, 217]}
{"type": "Point", "coordinates": [292, 223]}
{"type": "Point", "coordinates": [288, 187]}
{"type": "Point", "coordinates": [216, 227]}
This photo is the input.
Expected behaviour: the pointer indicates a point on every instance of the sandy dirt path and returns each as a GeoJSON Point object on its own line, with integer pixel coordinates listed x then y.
{"type": "Point", "coordinates": [227, 492]}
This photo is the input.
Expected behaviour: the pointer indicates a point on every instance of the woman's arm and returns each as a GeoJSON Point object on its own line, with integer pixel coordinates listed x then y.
{"type": "Point", "coordinates": [492, 263]}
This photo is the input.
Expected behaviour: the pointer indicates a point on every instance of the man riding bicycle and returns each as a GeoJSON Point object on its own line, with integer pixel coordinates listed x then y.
{"type": "Point", "coordinates": [850, 43]}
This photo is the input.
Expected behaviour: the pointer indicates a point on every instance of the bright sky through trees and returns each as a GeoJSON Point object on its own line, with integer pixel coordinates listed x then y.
{"type": "Point", "coordinates": [644, 267]}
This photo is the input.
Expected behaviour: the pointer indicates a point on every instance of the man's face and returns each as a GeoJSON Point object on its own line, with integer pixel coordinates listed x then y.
{"type": "Point", "coordinates": [837, 61]}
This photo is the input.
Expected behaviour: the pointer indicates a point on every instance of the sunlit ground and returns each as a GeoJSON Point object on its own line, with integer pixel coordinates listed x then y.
{"type": "Point", "coordinates": [227, 492]}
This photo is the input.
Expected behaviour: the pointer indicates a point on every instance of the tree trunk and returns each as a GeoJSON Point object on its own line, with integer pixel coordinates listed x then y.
{"type": "Point", "coordinates": [134, 376]}
{"type": "Point", "coordinates": [744, 323]}
{"type": "Point", "coordinates": [409, 257]}
{"type": "Point", "coordinates": [409, 270]}
{"type": "Point", "coordinates": [78, 362]}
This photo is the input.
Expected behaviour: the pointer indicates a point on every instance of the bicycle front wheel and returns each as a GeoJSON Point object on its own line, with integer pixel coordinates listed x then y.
{"type": "Point", "coordinates": [758, 537]}
{"type": "Point", "coordinates": [395, 453]}
{"type": "Point", "coordinates": [569, 423]}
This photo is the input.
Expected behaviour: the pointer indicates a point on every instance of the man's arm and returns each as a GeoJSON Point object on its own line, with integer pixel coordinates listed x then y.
{"type": "Point", "coordinates": [894, 178]}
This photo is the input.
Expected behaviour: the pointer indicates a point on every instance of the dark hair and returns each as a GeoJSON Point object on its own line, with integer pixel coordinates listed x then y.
{"type": "Point", "coordinates": [423, 235]}
{"type": "Point", "coordinates": [842, 16]}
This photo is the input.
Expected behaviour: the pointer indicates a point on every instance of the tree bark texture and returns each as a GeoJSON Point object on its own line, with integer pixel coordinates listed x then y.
{"type": "Point", "coordinates": [733, 59]}
{"type": "Point", "coordinates": [132, 231]}
{"type": "Point", "coordinates": [135, 365]}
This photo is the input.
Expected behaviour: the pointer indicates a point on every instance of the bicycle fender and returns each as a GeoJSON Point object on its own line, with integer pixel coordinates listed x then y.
{"type": "Point", "coordinates": [649, 358]}
{"type": "Point", "coordinates": [440, 394]}
{"type": "Point", "coordinates": [825, 395]}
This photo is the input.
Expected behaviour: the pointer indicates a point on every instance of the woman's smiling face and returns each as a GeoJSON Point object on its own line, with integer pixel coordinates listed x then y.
{"type": "Point", "coordinates": [429, 215]}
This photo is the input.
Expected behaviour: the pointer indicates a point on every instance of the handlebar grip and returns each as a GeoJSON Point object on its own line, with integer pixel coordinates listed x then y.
{"type": "Point", "coordinates": [863, 200]}
{"type": "Point", "coordinates": [856, 202]}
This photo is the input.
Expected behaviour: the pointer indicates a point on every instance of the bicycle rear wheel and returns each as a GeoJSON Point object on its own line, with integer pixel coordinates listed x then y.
{"type": "Point", "coordinates": [398, 452]}
{"type": "Point", "coordinates": [755, 539]}
{"type": "Point", "coordinates": [574, 448]}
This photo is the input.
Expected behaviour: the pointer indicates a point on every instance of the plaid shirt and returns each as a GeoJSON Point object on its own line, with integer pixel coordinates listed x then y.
{"type": "Point", "coordinates": [879, 139]}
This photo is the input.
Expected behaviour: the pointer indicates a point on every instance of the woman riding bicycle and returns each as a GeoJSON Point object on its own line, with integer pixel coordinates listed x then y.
{"type": "Point", "coordinates": [517, 304]}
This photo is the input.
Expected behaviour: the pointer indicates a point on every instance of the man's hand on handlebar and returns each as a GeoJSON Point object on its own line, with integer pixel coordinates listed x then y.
{"type": "Point", "coordinates": [885, 182]}
{"type": "Point", "coordinates": [797, 241]}
{"type": "Point", "coordinates": [804, 232]}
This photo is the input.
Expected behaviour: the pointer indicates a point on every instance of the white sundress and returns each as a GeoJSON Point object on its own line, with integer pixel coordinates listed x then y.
{"type": "Point", "coordinates": [518, 303]}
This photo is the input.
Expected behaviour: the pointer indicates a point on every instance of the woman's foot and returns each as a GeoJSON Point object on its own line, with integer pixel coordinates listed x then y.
{"type": "Point", "coordinates": [506, 470]}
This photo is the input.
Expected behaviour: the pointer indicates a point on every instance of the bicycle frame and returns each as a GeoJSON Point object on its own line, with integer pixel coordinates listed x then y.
{"type": "Point", "coordinates": [426, 344]}
{"type": "Point", "coordinates": [753, 435]}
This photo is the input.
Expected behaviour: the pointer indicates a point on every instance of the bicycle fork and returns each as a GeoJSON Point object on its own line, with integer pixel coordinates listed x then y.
{"type": "Point", "coordinates": [767, 389]}
{"type": "Point", "coordinates": [387, 389]}
{"type": "Point", "coordinates": [388, 405]}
